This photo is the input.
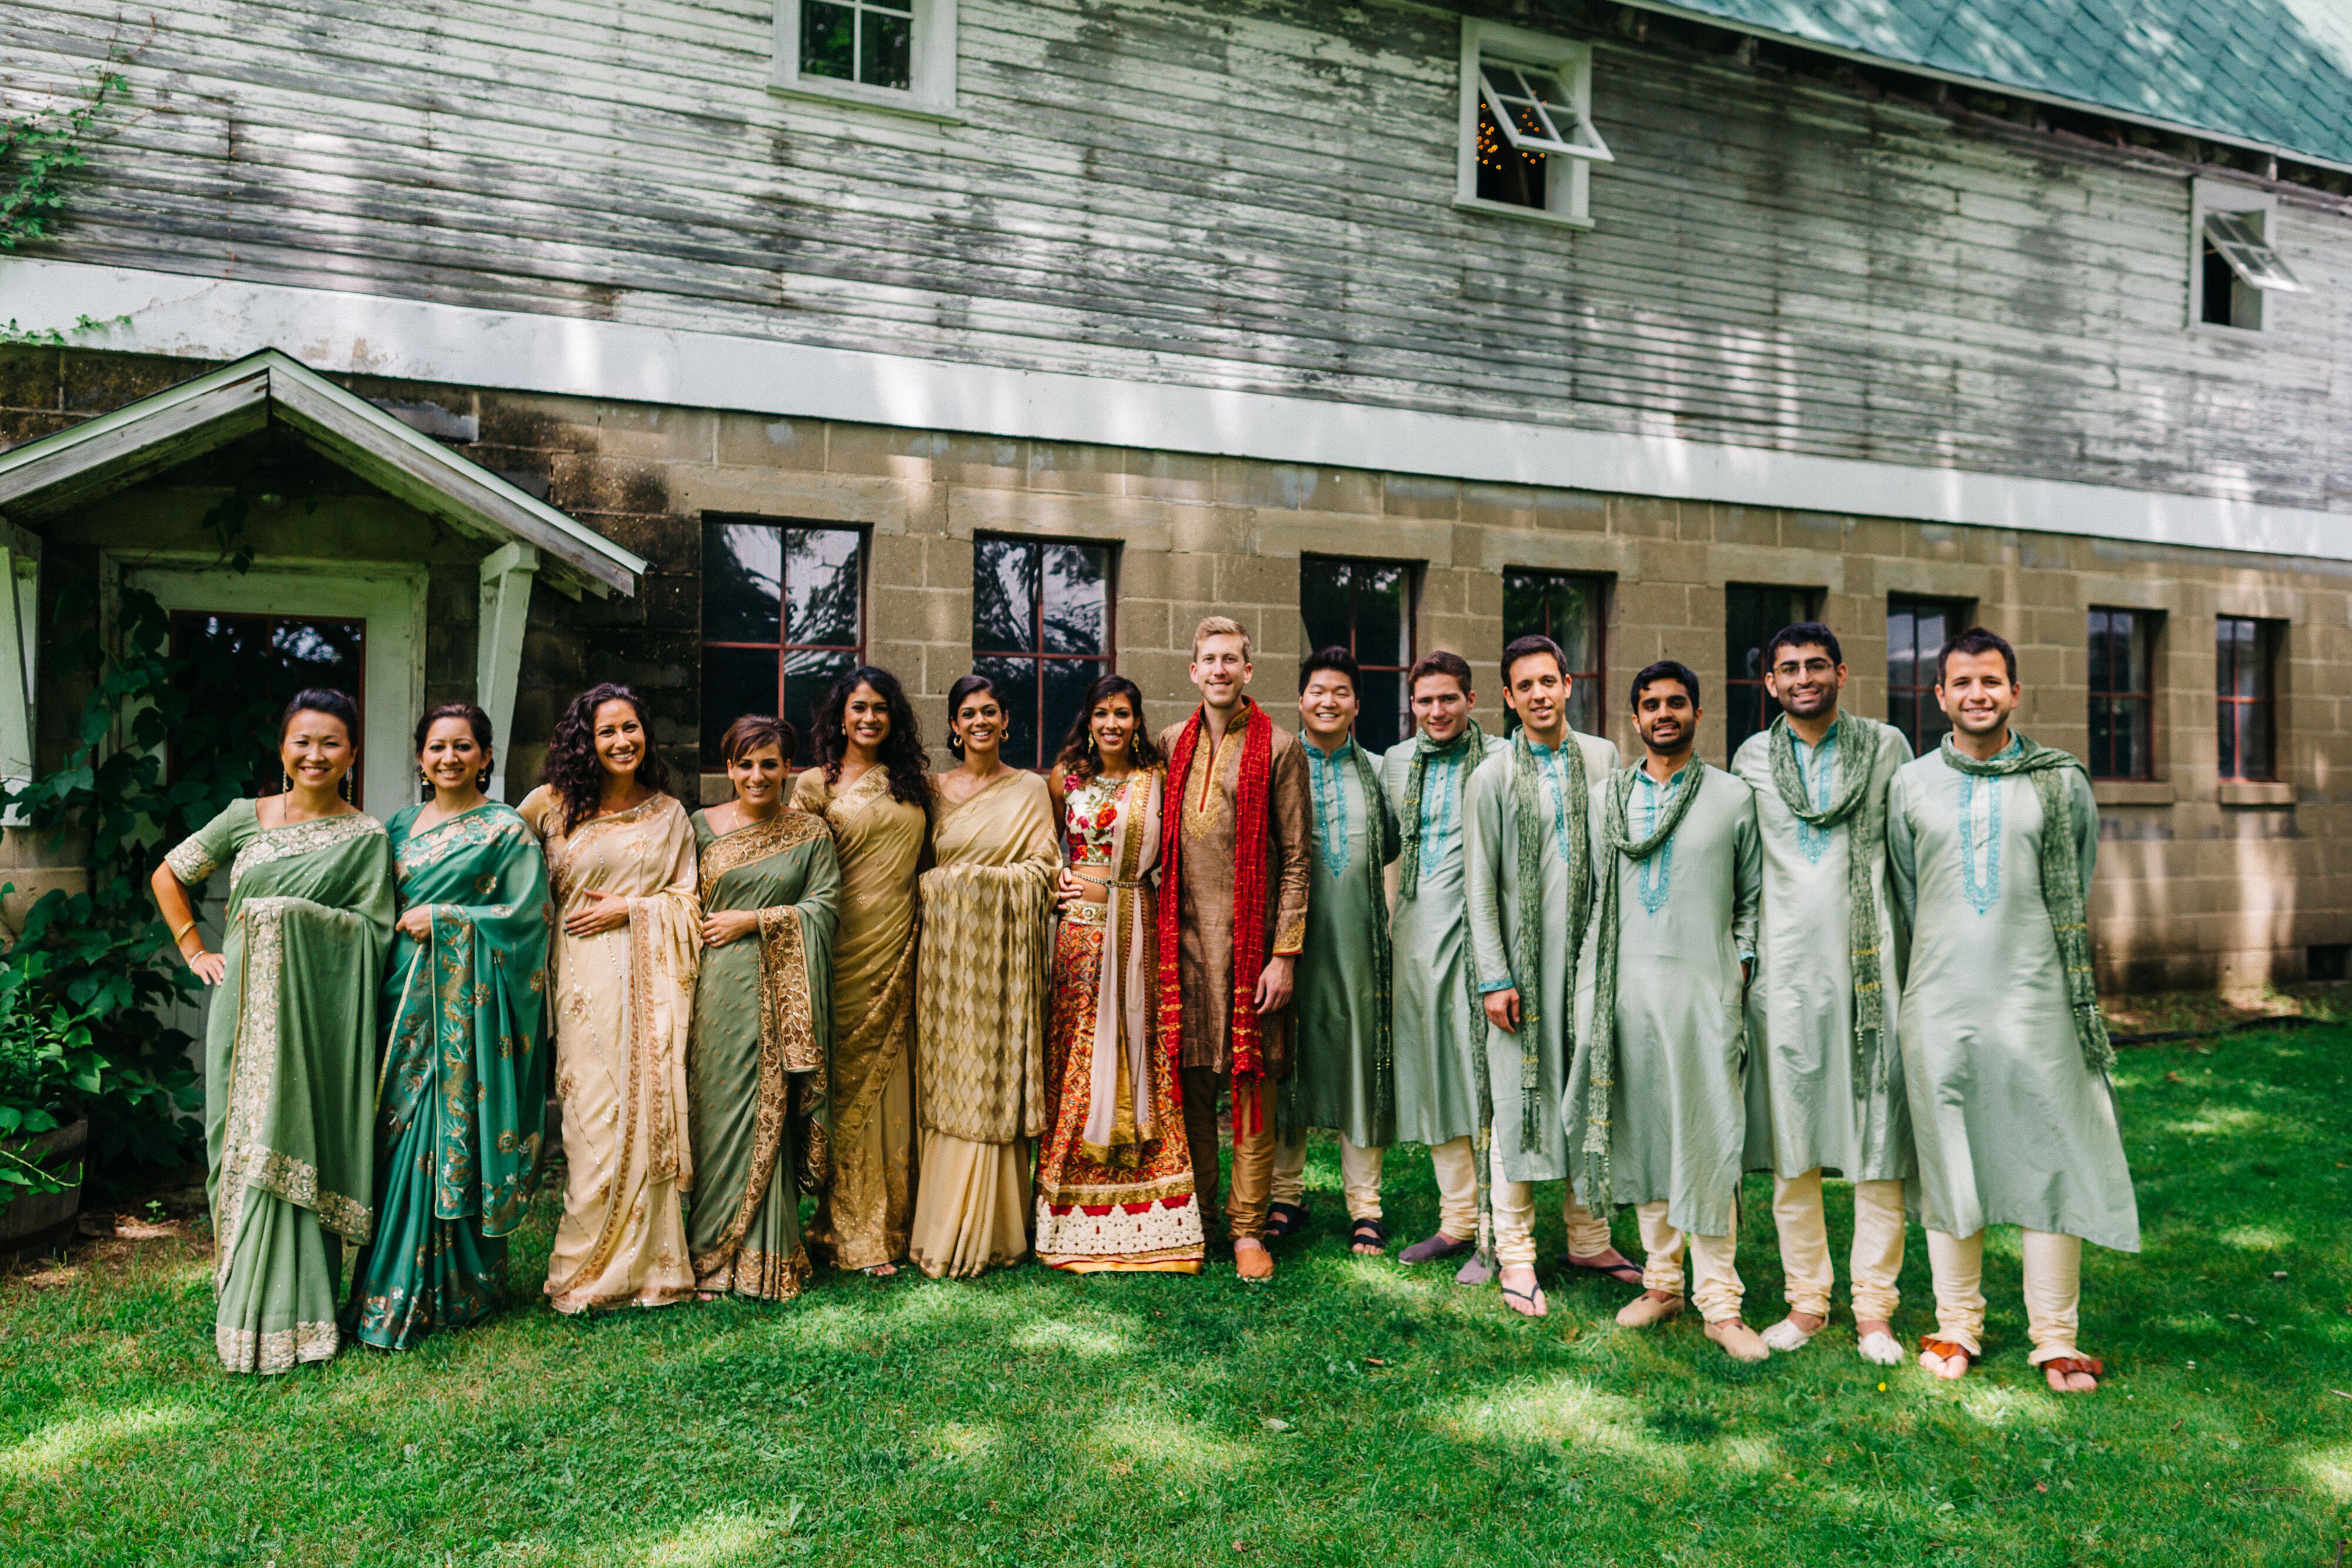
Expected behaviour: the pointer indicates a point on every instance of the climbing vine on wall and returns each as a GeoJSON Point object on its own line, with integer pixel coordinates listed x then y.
{"type": "Point", "coordinates": [39, 149]}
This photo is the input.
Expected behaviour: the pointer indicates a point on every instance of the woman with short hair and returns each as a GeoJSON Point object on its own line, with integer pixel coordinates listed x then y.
{"type": "Point", "coordinates": [461, 1098]}
{"type": "Point", "coordinates": [620, 856]}
{"type": "Point", "coordinates": [290, 1042]}
{"type": "Point", "coordinates": [757, 1085]}
{"type": "Point", "coordinates": [870, 789]}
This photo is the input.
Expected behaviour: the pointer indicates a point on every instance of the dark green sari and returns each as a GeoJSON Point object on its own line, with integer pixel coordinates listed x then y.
{"type": "Point", "coordinates": [462, 1095]}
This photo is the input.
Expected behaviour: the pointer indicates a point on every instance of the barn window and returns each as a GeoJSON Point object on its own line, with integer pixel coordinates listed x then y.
{"type": "Point", "coordinates": [1365, 607]}
{"type": "Point", "coordinates": [1527, 139]}
{"type": "Point", "coordinates": [2236, 261]}
{"type": "Point", "coordinates": [1040, 629]}
{"type": "Point", "coordinates": [1571, 608]}
{"type": "Point", "coordinates": [897, 55]}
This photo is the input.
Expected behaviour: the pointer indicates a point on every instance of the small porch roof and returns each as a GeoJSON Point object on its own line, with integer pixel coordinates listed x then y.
{"type": "Point", "coordinates": [140, 439]}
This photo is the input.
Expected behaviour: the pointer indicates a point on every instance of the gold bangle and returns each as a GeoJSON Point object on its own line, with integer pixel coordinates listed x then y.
{"type": "Point", "coordinates": [182, 931]}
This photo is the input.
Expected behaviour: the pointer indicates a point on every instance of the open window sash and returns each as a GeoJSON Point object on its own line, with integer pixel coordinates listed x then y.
{"type": "Point", "coordinates": [2241, 243]}
{"type": "Point", "coordinates": [1527, 106]}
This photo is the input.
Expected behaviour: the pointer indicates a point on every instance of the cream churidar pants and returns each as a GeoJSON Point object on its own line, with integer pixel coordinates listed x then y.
{"type": "Point", "coordinates": [2054, 1291]}
{"type": "Point", "coordinates": [1359, 1175]}
{"type": "Point", "coordinates": [1715, 1288]}
{"type": "Point", "coordinates": [1455, 1161]}
{"type": "Point", "coordinates": [1514, 1222]}
{"type": "Point", "coordinates": [1877, 1259]}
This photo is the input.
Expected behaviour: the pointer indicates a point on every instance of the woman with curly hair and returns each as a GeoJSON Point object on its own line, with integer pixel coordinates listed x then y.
{"type": "Point", "coordinates": [869, 786]}
{"type": "Point", "coordinates": [620, 860]}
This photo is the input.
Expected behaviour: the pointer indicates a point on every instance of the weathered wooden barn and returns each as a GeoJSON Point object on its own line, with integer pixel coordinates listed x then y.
{"type": "Point", "coordinates": [711, 344]}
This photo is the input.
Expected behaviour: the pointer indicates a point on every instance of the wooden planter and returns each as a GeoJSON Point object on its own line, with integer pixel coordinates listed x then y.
{"type": "Point", "coordinates": [33, 1221]}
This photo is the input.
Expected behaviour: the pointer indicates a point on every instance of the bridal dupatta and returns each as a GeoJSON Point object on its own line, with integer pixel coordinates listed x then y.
{"type": "Point", "coordinates": [757, 1085]}
{"type": "Point", "coordinates": [1115, 1189]}
{"type": "Point", "coordinates": [288, 1047]}
{"type": "Point", "coordinates": [461, 1099]}
{"type": "Point", "coordinates": [623, 1001]}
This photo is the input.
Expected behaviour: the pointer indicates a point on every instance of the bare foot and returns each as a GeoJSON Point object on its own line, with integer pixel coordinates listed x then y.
{"type": "Point", "coordinates": [1521, 1294]}
{"type": "Point", "coordinates": [2069, 1381]}
{"type": "Point", "coordinates": [880, 1270]}
{"type": "Point", "coordinates": [1251, 1260]}
{"type": "Point", "coordinates": [1950, 1368]}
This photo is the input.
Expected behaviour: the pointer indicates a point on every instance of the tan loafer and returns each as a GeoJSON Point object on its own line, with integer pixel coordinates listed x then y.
{"type": "Point", "coordinates": [1253, 1261]}
{"type": "Point", "coordinates": [1738, 1341]}
{"type": "Point", "coordinates": [1648, 1309]}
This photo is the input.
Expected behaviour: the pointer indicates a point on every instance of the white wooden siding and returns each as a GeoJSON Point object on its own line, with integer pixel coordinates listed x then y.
{"type": "Point", "coordinates": [1248, 195]}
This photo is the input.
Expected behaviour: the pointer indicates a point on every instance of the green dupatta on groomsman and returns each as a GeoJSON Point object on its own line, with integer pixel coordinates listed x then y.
{"type": "Point", "coordinates": [288, 1048]}
{"type": "Point", "coordinates": [462, 1095]}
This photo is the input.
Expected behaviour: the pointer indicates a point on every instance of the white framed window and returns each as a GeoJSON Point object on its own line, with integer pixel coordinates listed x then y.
{"type": "Point", "coordinates": [893, 55]}
{"type": "Point", "coordinates": [2233, 259]}
{"type": "Point", "coordinates": [1527, 142]}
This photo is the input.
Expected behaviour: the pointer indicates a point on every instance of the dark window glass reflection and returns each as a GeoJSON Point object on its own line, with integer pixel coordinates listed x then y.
{"type": "Point", "coordinates": [1040, 629]}
{"type": "Point", "coordinates": [1572, 609]}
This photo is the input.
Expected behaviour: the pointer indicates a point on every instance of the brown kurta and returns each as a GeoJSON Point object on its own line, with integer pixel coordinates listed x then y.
{"type": "Point", "coordinates": [1205, 921]}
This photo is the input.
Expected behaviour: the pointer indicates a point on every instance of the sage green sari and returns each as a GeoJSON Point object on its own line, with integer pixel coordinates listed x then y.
{"type": "Point", "coordinates": [757, 1084]}
{"type": "Point", "coordinates": [290, 1102]}
{"type": "Point", "coordinates": [461, 1098]}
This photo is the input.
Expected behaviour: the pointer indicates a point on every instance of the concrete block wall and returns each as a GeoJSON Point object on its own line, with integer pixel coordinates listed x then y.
{"type": "Point", "coordinates": [2198, 885]}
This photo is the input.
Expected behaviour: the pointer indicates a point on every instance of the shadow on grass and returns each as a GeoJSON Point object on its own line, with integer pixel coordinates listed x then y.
{"type": "Point", "coordinates": [1351, 1411]}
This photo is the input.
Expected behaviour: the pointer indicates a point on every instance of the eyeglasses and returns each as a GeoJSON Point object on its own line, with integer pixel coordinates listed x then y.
{"type": "Point", "coordinates": [1809, 667]}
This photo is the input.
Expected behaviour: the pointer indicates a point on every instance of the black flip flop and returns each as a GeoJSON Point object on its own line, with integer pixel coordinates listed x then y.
{"type": "Point", "coordinates": [1530, 1296]}
{"type": "Point", "coordinates": [1283, 1221]}
{"type": "Point", "coordinates": [1616, 1271]}
{"type": "Point", "coordinates": [1368, 1232]}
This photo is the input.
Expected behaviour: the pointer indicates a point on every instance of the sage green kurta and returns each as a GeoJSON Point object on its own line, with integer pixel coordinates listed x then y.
{"type": "Point", "coordinates": [289, 1084]}
{"type": "Point", "coordinates": [2013, 1126]}
{"type": "Point", "coordinates": [1802, 1113]}
{"type": "Point", "coordinates": [1493, 877]}
{"type": "Point", "coordinates": [1439, 1031]}
{"type": "Point", "coordinates": [757, 1087]}
{"type": "Point", "coordinates": [1335, 1001]}
{"type": "Point", "coordinates": [1685, 918]}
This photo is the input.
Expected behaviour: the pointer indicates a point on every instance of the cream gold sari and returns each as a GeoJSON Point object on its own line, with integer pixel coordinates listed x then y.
{"type": "Point", "coordinates": [623, 999]}
{"type": "Point", "coordinates": [980, 1007]}
{"type": "Point", "coordinates": [862, 1221]}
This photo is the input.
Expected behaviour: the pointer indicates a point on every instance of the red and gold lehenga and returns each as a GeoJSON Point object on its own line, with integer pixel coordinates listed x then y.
{"type": "Point", "coordinates": [1115, 1175]}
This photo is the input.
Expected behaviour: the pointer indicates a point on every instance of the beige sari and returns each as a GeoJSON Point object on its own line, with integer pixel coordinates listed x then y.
{"type": "Point", "coordinates": [623, 1000]}
{"type": "Point", "coordinates": [862, 1221]}
{"type": "Point", "coordinates": [980, 1005]}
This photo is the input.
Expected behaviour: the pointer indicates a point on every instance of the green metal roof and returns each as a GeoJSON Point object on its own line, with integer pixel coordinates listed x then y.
{"type": "Point", "coordinates": [2276, 75]}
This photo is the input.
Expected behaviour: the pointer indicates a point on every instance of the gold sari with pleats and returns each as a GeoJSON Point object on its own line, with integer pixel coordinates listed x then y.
{"type": "Point", "coordinates": [623, 1001]}
{"type": "Point", "coordinates": [979, 1009]}
{"type": "Point", "coordinates": [862, 1221]}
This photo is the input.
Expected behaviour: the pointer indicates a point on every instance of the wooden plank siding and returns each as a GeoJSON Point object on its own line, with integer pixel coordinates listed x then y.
{"type": "Point", "coordinates": [1245, 195]}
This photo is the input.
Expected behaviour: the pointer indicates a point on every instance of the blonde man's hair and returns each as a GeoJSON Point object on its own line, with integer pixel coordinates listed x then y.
{"type": "Point", "coordinates": [1221, 626]}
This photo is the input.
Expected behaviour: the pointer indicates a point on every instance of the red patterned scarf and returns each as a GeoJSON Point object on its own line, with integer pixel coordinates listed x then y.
{"type": "Point", "coordinates": [1252, 791]}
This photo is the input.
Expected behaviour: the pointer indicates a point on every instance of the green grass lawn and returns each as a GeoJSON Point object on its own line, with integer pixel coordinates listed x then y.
{"type": "Point", "coordinates": [1351, 1411]}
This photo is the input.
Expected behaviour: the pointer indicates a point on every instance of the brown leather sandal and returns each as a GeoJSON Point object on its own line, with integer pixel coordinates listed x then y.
{"type": "Point", "coordinates": [2089, 1366]}
{"type": "Point", "coordinates": [1946, 1348]}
